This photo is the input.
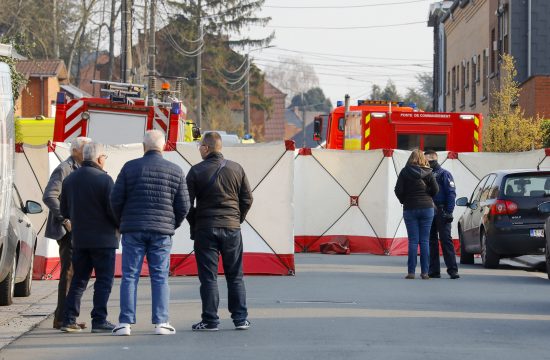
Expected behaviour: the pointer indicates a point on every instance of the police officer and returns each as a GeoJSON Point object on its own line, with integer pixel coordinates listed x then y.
{"type": "Point", "coordinates": [444, 200]}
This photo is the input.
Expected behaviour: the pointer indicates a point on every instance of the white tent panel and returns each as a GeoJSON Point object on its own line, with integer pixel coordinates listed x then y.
{"type": "Point", "coordinates": [118, 155]}
{"type": "Point", "coordinates": [400, 158]}
{"type": "Point", "coordinates": [352, 169]}
{"type": "Point", "coordinates": [354, 223]}
{"type": "Point", "coordinates": [189, 152]}
{"type": "Point", "coordinates": [483, 163]}
{"type": "Point", "coordinates": [272, 211]}
{"type": "Point", "coordinates": [252, 242]}
{"type": "Point", "coordinates": [379, 202]}
{"type": "Point", "coordinates": [318, 198]}
{"type": "Point", "coordinates": [256, 160]}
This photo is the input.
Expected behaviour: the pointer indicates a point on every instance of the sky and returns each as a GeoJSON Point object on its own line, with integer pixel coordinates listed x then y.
{"type": "Point", "coordinates": [350, 60]}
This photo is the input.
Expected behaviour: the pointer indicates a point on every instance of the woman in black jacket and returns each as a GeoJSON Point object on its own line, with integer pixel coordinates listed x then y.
{"type": "Point", "coordinates": [415, 188]}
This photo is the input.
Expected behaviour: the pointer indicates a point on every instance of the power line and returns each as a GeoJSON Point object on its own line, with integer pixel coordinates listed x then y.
{"type": "Point", "coordinates": [344, 27]}
{"type": "Point", "coordinates": [343, 6]}
{"type": "Point", "coordinates": [354, 65]}
{"type": "Point", "coordinates": [347, 56]}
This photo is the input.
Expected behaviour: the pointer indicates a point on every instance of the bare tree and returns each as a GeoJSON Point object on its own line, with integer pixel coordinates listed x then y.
{"type": "Point", "coordinates": [293, 76]}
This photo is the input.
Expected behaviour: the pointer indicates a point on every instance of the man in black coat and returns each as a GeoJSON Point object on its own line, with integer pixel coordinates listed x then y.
{"type": "Point", "coordinates": [223, 197]}
{"type": "Point", "coordinates": [150, 201]}
{"type": "Point", "coordinates": [85, 202]}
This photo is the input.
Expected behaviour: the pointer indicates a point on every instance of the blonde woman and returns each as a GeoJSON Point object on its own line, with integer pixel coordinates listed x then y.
{"type": "Point", "coordinates": [415, 188]}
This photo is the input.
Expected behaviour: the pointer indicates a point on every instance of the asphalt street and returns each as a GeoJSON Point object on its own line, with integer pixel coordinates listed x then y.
{"type": "Point", "coordinates": [336, 307]}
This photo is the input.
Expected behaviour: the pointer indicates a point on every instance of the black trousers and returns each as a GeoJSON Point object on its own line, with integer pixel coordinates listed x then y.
{"type": "Point", "coordinates": [65, 275]}
{"type": "Point", "coordinates": [102, 261]}
{"type": "Point", "coordinates": [441, 232]}
{"type": "Point", "coordinates": [209, 244]}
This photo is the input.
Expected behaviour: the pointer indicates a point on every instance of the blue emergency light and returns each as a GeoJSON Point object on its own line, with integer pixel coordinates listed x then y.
{"type": "Point", "coordinates": [176, 108]}
{"type": "Point", "coordinates": [339, 103]}
{"type": "Point", "coordinates": [60, 98]}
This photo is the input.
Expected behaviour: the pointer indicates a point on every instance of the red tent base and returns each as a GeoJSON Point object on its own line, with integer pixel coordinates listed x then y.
{"type": "Point", "coordinates": [183, 265]}
{"type": "Point", "coordinates": [360, 244]}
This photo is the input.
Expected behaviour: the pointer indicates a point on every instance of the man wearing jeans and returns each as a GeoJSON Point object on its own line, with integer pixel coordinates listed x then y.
{"type": "Point", "coordinates": [223, 197]}
{"type": "Point", "coordinates": [150, 200]}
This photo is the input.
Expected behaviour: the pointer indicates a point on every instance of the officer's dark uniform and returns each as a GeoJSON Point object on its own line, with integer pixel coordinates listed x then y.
{"type": "Point", "coordinates": [445, 203]}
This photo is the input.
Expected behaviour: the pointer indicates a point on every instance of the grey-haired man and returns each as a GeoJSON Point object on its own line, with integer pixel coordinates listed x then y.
{"type": "Point", "coordinates": [59, 228]}
{"type": "Point", "coordinates": [85, 201]}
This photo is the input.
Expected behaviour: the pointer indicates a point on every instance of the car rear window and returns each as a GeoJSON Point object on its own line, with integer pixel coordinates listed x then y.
{"type": "Point", "coordinates": [534, 186]}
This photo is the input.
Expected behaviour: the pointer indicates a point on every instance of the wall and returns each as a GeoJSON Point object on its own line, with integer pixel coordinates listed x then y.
{"type": "Point", "coordinates": [534, 97]}
{"type": "Point", "coordinates": [467, 36]}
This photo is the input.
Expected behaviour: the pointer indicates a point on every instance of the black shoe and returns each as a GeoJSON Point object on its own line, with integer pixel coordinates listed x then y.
{"type": "Point", "coordinates": [454, 275]}
{"type": "Point", "coordinates": [204, 326]}
{"type": "Point", "coordinates": [242, 325]}
{"type": "Point", "coordinates": [105, 327]}
{"type": "Point", "coordinates": [434, 275]}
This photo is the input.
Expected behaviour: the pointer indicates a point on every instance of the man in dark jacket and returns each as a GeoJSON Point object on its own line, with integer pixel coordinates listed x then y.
{"type": "Point", "coordinates": [59, 228]}
{"type": "Point", "coordinates": [85, 202]}
{"type": "Point", "coordinates": [223, 197]}
{"type": "Point", "coordinates": [441, 227]}
{"type": "Point", "coordinates": [150, 201]}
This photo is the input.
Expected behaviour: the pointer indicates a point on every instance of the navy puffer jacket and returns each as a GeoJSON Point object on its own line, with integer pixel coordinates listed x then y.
{"type": "Point", "coordinates": [150, 194]}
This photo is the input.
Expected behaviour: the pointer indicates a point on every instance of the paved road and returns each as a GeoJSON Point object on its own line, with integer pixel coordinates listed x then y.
{"type": "Point", "coordinates": [337, 307]}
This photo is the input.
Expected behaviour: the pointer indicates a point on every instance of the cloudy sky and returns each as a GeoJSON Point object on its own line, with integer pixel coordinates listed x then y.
{"type": "Point", "coordinates": [351, 43]}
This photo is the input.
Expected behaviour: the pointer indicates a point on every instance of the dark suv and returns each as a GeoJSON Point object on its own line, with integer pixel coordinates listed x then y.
{"type": "Point", "coordinates": [502, 218]}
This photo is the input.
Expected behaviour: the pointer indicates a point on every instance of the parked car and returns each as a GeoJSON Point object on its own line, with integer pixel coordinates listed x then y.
{"type": "Point", "coordinates": [17, 251]}
{"type": "Point", "coordinates": [502, 217]}
{"type": "Point", "coordinates": [545, 209]}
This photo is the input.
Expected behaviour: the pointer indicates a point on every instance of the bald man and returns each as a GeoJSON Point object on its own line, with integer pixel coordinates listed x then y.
{"type": "Point", "coordinates": [223, 198]}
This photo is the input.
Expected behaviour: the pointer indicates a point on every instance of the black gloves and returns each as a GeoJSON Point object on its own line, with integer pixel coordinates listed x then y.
{"type": "Point", "coordinates": [447, 217]}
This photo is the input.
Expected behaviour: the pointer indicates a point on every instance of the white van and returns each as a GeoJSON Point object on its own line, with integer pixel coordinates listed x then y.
{"type": "Point", "coordinates": [17, 237]}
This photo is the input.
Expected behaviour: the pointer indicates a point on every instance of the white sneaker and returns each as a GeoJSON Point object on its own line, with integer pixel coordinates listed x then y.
{"type": "Point", "coordinates": [164, 329]}
{"type": "Point", "coordinates": [122, 329]}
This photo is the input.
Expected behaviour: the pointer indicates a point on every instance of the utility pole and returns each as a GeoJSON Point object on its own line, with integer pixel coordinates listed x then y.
{"type": "Point", "coordinates": [247, 97]}
{"type": "Point", "coordinates": [152, 51]}
{"type": "Point", "coordinates": [199, 69]}
{"type": "Point", "coordinates": [126, 43]}
{"type": "Point", "coordinates": [303, 121]}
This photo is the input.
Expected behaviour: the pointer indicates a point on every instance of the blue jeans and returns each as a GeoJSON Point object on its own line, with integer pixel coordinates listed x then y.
{"type": "Point", "coordinates": [209, 244]}
{"type": "Point", "coordinates": [419, 224]}
{"type": "Point", "coordinates": [135, 246]}
{"type": "Point", "coordinates": [102, 261]}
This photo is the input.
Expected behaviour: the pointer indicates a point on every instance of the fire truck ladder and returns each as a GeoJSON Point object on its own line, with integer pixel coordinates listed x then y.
{"type": "Point", "coordinates": [121, 92]}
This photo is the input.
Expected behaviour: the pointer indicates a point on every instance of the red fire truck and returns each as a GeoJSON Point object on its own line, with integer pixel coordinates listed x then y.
{"type": "Point", "coordinates": [122, 116]}
{"type": "Point", "coordinates": [390, 125]}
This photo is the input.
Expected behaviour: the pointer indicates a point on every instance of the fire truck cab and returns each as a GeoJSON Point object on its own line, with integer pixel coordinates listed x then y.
{"type": "Point", "coordinates": [390, 125]}
{"type": "Point", "coordinates": [122, 116]}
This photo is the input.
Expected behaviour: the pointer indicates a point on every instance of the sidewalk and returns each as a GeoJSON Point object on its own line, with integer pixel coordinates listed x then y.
{"type": "Point", "coordinates": [27, 312]}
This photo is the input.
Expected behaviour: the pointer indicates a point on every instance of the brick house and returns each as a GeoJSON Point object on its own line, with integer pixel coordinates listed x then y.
{"type": "Point", "coordinates": [469, 38]}
{"type": "Point", "coordinates": [45, 78]}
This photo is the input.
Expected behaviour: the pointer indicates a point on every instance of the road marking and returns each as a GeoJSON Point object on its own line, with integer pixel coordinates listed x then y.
{"type": "Point", "coordinates": [376, 269]}
{"type": "Point", "coordinates": [322, 313]}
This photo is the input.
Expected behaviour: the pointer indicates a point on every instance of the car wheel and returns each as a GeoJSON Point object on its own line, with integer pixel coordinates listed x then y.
{"type": "Point", "coordinates": [23, 289]}
{"type": "Point", "coordinates": [7, 286]}
{"type": "Point", "coordinates": [465, 258]}
{"type": "Point", "coordinates": [489, 258]}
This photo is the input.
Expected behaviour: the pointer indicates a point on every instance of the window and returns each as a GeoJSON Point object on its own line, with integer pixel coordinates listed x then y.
{"type": "Point", "coordinates": [408, 141]}
{"type": "Point", "coordinates": [478, 72]}
{"type": "Point", "coordinates": [534, 186]}
{"type": "Point", "coordinates": [435, 142]}
{"type": "Point", "coordinates": [494, 53]}
{"type": "Point", "coordinates": [485, 79]}
{"type": "Point", "coordinates": [487, 188]}
{"type": "Point", "coordinates": [474, 84]}
{"type": "Point", "coordinates": [505, 37]}
{"type": "Point", "coordinates": [462, 84]}
{"type": "Point", "coordinates": [477, 191]}
{"type": "Point", "coordinates": [341, 124]}
{"type": "Point", "coordinates": [467, 84]}
{"type": "Point", "coordinates": [453, 90]}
